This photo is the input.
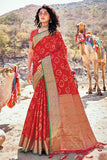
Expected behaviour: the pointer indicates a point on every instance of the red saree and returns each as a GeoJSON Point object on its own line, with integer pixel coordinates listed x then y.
{"type": "Point", "coordinates": [56, 120]}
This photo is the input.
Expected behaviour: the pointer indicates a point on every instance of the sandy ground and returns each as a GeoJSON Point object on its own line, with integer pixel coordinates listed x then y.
{"type": "Point", "coordinates": [12, 120]}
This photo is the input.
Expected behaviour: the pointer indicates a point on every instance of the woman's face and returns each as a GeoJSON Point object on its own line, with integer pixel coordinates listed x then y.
{"type": "Point", "coordinates": [44, 16]}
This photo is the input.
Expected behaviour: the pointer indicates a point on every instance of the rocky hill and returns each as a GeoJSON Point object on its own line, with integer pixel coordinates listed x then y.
{"type": "Point", "coordinates": [15, 28]}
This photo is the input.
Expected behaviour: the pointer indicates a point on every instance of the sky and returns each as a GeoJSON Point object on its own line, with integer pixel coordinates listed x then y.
{"type": "Point", "coordinates": [10, 5]}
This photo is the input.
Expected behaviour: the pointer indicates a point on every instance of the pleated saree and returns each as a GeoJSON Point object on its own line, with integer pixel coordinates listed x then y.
{"type": "Point", "coordinates": [56, 121]}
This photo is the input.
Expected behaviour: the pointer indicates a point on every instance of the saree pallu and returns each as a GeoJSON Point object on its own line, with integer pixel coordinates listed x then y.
{"type": "Point", "coordinates": [56, 120]}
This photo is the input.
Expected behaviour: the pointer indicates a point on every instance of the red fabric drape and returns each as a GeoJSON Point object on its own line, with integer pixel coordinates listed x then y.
{"type": "Point", "coordinates": [76, 133]}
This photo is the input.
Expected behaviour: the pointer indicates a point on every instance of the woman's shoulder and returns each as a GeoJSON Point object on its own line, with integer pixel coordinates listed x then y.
{"type": "Point", "coordinates": [34, 32]}
{"type": "Point", "coordinates": [58, 34]}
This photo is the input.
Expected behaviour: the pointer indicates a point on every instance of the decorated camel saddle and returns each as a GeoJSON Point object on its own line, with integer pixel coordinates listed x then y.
{"type": "Point", "coordinates": [9, 85]}
{"type": "Point", "coordinates": [92, 40]}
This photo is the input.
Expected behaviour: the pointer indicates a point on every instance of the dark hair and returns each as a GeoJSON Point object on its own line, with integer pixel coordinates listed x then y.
{"type": "Point", "coordinates": [54, 19]}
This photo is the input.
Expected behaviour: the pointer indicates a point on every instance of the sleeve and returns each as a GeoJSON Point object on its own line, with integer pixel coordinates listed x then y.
{"type": "Point", "coordinates": [33, 33]}
{"type": "Point", "coordinates": [31, 36]}
{"type": "Point", "coordinates": [31, 40]}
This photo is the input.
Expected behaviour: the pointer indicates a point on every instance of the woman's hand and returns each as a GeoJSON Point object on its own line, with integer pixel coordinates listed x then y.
{"type": "Point", "coordinates": [39, 68]}
{"type": "Point", "coordinates": [29, 76]}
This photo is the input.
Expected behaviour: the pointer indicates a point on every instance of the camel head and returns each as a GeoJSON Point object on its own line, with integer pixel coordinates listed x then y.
{"type": "Point", "coordinates": [81, 27]}
{"type": "Point", "coordinates": [80, 36]}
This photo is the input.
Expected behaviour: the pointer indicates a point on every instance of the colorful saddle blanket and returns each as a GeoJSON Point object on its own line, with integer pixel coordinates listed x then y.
{"type": "Point", "coordinates": [16, 90]}
{"type": "Point", "coordinates": [96, 43]}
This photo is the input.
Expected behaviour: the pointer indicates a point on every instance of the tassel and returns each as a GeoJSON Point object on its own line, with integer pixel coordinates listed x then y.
{"type": "Point", "coordinates": [79, 157]}
{"type": "Point", "coordinates": [89, 157]}
{"type": "Point", "coordinates": [9, 104]}
{"type": "Point", "coordinates": [76, 37]}
{"type": "Point", "coordinates": [53, 154]}
{"type": "Point", "coordinates": [65, 156]}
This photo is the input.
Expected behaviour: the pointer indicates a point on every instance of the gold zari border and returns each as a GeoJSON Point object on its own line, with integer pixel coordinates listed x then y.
{"type": "Point", "coordinates": [53, 104]}
{"type": "Point", "coordinates": [34, 145]}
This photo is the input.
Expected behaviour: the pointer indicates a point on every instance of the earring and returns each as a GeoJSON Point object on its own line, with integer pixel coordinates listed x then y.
{"type": "Point", "coordinates": [50, 21]}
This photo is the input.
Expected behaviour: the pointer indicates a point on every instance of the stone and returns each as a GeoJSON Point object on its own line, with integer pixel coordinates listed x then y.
{"type": "Point", "coordinates": [2, 137]}
{"type": "Point", "coordinates": [103, 156]}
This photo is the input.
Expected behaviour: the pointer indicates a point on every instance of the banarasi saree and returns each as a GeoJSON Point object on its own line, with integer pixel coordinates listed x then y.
{"type": "Point", "coordinates": [56, 121]}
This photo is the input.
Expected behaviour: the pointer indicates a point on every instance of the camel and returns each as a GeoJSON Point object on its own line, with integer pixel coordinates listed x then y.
{"type": "Point", "coordinates": [91, 55]}
{"type": "Point", "coordinates": [7, 75]}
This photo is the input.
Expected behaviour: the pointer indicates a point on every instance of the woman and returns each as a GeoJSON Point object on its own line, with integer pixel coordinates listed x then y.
{"type": "Point", "coordinates": [56, 121]}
